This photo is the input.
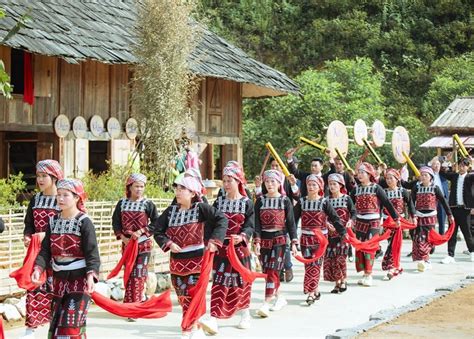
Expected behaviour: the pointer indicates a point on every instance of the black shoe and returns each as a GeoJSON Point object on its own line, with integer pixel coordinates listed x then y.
{"type": "Point", "coordinates": [343, 287]}
{"type": "Point", "coordinates": [432, 250]}
{"type": "Point", "coordinates": [378, 254]}
{"type": "Point", "coordinates": [409, 254]}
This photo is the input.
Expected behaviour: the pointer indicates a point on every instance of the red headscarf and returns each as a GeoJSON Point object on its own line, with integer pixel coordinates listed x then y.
{"type": "Point", "coordinates": [50, 167]}
{"type": "Point", "coordinates": [195, 173]}
{"type": "Point", "coordinates": [278, 176]}
{"type": "Point", "coordinates": [340, 180]}
{"type": "Point", "coordinates": [131, 179]}
{"type": "Point", "coordinates": [318, 180]}
{"type": "Point", "coordinates": [429, 170]}
{"type": "Point", "coordinates": [191, 183]}
{"type": "Point", "coordinates": [77, 187]}
{"type": "Point", "coordinates": [369, 169]}
{"type": "Point", "coordinates": [395, 173]}
{"type": "Point", "coordinates": [236, 173]}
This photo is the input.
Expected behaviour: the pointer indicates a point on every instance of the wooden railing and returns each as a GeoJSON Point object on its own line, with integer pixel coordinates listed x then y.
{"type": "Point", "coordinates": [12, 250]}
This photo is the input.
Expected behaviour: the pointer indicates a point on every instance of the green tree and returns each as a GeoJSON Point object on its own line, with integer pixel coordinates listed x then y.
{"type": "Point", "coordinates": [455, 77]}
{"type": "Point", "coordinates": [346, 90]}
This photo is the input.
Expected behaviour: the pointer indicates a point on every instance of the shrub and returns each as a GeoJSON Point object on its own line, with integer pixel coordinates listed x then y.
{"type": "Point", "coordinates": [110, 185]}
{"type": "Point", "coordinates": [9, 189]}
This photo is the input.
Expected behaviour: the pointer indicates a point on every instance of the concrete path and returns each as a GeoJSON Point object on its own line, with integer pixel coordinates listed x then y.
{"type": "Point", "coordinates": [296, 320]}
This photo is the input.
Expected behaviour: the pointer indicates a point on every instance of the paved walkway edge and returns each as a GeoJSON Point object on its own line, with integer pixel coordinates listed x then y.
{"type": "Point", "coordinates": [388, 315]}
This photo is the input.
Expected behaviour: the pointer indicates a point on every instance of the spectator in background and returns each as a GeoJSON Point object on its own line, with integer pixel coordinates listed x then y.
{"type": "Point", "coordinates": [2, 225]}
{"type": "Point", "coordinates": [442, 183]}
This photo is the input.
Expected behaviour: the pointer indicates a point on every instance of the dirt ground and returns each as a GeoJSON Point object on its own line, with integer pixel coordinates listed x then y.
{"type": "Point", "coordinates": [449, 317]}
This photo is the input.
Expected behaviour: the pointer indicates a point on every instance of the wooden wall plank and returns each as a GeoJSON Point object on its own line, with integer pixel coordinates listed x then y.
{"type": "Point", "coordinates": [70, 95]}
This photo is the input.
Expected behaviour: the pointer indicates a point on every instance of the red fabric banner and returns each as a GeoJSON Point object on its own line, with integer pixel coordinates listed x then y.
{"type": "Point", "coordinates": [197, 307]}
{"type": "Point", "coordinates": [2, 335]}
{"type": "Point", "coordinates": [404, 224]}
{"type": "Point", "coordinates": [128, 259]}
{"type": "Point", "coordinates": [437, 239]}
{"type": "Point", "coordinates": [23, 274]}
{"type": "Point", "coordinates": [323, 244]}
{"type": "Point", "coordinates": [397, 246]}
{"type": "Point", "coordinates": [246, 274]}
{"type": "Point", "coordinates": [28, 89]}
{"type": "Point", "coordinates": [155, 307]}
{"type": "Point", "coordinates": [368, 246]}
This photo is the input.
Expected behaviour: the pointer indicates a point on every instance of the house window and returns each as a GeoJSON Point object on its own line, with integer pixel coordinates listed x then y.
{"type": "Point", "coordinates": [17, 71]}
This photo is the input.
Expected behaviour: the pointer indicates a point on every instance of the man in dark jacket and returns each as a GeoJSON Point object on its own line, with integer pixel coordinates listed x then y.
{"type": "Point", "coordinates": [461, 201]}
{"type": "Point", "coordinates": [442, 183]}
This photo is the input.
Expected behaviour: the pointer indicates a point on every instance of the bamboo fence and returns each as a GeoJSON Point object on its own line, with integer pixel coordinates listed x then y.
{"type": "Point", "coordinates": [12, 250]}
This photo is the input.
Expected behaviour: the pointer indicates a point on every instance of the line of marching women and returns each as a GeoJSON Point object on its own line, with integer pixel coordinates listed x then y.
{"type": "Point", "coordinates": [215, 242]}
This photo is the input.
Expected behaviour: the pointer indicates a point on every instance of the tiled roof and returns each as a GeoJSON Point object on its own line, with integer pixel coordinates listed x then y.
{"type": "Point", "coordinates": [76, 30]}
{"type": "Point", "coordinates": [457, 118]}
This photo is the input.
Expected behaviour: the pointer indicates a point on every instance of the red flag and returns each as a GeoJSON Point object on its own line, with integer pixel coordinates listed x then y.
{"type": "Point", "coordinates": [246, 274]}
{"type": "Point", "coordinates": [28, 89]}
{"type": "Point", "coordinates": [437, 239]}
{"type": "Point", "coordinates": [23, 274]}
{"type": "Point", "coordinates": [323, 244]}
{"type": "Point", "coordinates": [128, 259]}
{"type": "Point", "coordinates": [197, 307]}
{"type": "Point", "coordinates": [155, 307]}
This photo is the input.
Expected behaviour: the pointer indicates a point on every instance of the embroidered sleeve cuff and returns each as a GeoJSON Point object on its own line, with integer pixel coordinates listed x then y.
{"type": "Point", "coordinates": [94, 275]}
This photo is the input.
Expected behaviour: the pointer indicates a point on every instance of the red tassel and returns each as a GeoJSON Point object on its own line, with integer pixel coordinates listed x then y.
{"type": "Point", "coordinates": [323, 244]}
{"type": "Point", "coordinates": [437, 239]}
{"type": "Point", "coordinates": [23, 274]}
{"type": "Point", "coordinates": [368, 246]}
{"type": "Point", "coordinates": [155, 307]}
{"type": "Point", "coordinates": [128, 259]}
{"type": "Point", "coordinates": [28, 89]}
{"type": "Point", "coordinates": [197, 307]}
{"type": "Point", "coordinates": [247, 275]}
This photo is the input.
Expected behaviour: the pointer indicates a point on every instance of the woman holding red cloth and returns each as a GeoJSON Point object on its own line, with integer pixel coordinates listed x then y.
{"type": "Point", "coordinates": [314, 211]}
{"type": "Point", "coordinates": [70, 245]}
{"type": "Point", "coordinates": [369, 198]}
{"type": "Point", "coordinates": [187, 229]}
{"type": "Point", "coordinates": [335, 267]}
{"type": "Point", "coordinates": [426, 196]}
{"type": "Point", "coordinates": [401, 201]}
{"type": "Point", "coordinates": [132, 217]}
{"type": "Point", "coordinates": [230, 293]}
{"type": "Point", "coordinates": [274, 218]}
{"type": "Point", "coordinates": [41, 207]}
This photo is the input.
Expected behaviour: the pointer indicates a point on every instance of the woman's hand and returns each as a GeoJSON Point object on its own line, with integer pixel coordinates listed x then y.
{"type": "Point", "coordinates": [137, 234]}
{"type": "Point", "coordinates": [238, 238]}
{"type": "Point", "coordinates": [257, 249]}
{"type": "Point", "coordinates": [175, 248]}
{"type": "Point", "coordinates": [211, 247]}
{"type": "Point", "coordinates": [294, 249]}
{"type": "Point", "coordinates": [27, 240]}
{"type": "Point", "coordinates": [35, 277]}
{"type": "Point", "coordinates": [124, 239]}
{"type": "Point", "coordinates": [90, 284]}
